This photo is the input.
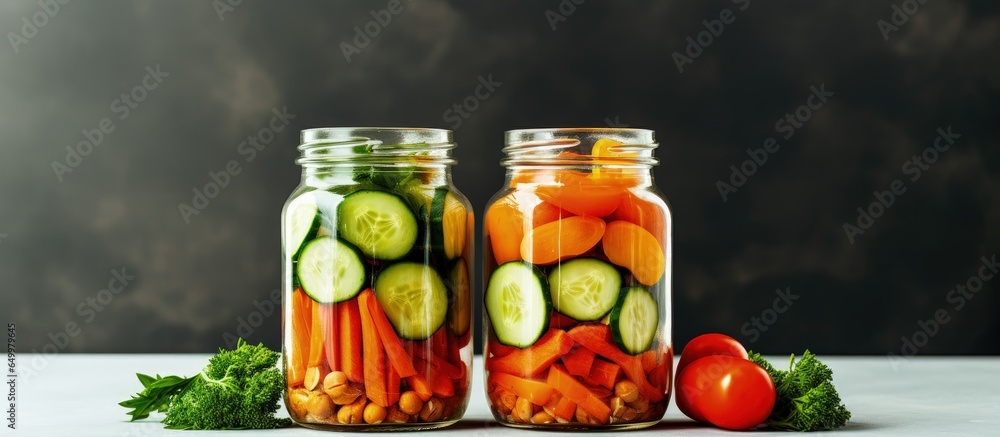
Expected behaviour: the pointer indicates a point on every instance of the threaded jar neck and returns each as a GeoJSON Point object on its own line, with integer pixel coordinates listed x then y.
{"type": "Point", "coordinates": [375, 146]}
{"type": "Point", "coordinates": [575, 147]}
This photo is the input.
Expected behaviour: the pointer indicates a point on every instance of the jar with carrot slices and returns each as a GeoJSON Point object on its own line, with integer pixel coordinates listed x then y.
{"type": "Point", "coordinates": [377, 249]}
{"type": "Point", "coordinates": [577, 282]}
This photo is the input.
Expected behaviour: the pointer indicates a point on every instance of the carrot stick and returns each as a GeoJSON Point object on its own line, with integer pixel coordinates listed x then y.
{"type": "Point", "coordinates": [598, 339]}
{"type": "Point", "coordinates": [562, 239]}
{"type": "Point", "coordinates": [546, 212]}
{"type": "Point", "coordinates": [349, 319]}
{"type": "Point", "coordinates": [299, 349]}
{"type": "Point", "coordinates": [649, 360]}
{"type": "Point", "coordinates": [464, 340]}
{"type": "Point", "coordinates": [440, 384]}
{"type": "Point", "coordinates": [398, 358]}
{"type": "Point", "coordinates": [577, 392]}
{"type": "Point", "coordinates": [450, 370]}
{"type": "Point", "coordinates": [374, 358]}
{"type": "Point", "coordinates": [534, 359]}
{"type": "Point", "coordinates": [630, 246]}
{"type": "Point", "coordinates": [579, 361]}
{"type": "Point", "coordinates": [536, 392]}
{"type": "Point", "coordinates": [439, 341]}
{"type": "Point", "coordinates": [316, 347]}
{"type": "Point", "coordinates": [604, 373]}
{"type": "Point", "coordinates": [558, 320]}
{"type": "Point", "coordinates": [565, 408]}
{"type": "Point", "coordinates": [418, 383]}
{"type": "Point", "coordinates": [331, 338]}
{"type": "Point", "coordinates": [647, 211]}
{"type": "Point", "coordinates": [497, 350]}
{"type": "Point", "coordinates": [392, 379]}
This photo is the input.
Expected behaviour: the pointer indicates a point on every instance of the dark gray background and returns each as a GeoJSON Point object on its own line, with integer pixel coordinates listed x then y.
{"type": "Point", "coordinates": [783, 229]}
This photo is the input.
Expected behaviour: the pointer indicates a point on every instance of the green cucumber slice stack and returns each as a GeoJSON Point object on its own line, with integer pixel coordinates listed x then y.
{"type": "Point", "coordinates": [518, 304]}
{"type": "Point", "coordinates": [634, 320]}
{"type": "Point", "coordinates": [584, 288]}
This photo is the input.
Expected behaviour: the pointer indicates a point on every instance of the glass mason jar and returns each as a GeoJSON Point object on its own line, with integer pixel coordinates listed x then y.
{"type": "Point", "coordinates": [577, 280]}
{"type": "Point", "coordinates": [377, 248]}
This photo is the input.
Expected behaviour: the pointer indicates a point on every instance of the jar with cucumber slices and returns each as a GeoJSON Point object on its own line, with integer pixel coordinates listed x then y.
{"type": "Point", "coordinates": [377, 250]}
{"type": "Point", "coordinates": [577, 282]}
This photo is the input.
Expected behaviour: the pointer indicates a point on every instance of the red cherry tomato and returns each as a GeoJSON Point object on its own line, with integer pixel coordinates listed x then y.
{"type": "Point", "coordinates": [728, 392]}
{"type": "Point", "coordinates": [710, 344]}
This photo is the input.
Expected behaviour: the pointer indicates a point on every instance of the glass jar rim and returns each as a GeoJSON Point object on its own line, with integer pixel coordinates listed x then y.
{"type": "Point", "coordinates": [546, 146]}
{"type": "Point", "coordinates": [375, 145]}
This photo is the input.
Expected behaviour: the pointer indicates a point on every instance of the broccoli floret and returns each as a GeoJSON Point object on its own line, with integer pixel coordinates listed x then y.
{"type": "Point", "coordinates": [806, 399]}
{"type": "Point", "coordinates": [239, 389]}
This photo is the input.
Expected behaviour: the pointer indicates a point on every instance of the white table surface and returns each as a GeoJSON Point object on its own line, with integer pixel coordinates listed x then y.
{"type": "Point", "coordinates": [77, 395]}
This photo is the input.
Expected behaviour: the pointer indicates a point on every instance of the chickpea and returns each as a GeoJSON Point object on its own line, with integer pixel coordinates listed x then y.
{"type": "Point", "coordinates": [522, 411]}
{"type": "Point", "coordinates": [394, 415]}
{"type": "Point", "coordinates": [297, 400]}
{"type": "Point", "coordinates": [617, 404]}
{"type": "Point", "coordinates": [628, 414]}
{"type": "Point", "coordinates": [507, 401]}
{"type": "Point", "coordinates": [319, 405]}
{"type": "Point", "coordinates": [334, 383]}
{"type": "Point", "coordinates": [627, 390]}
{"type": "Point", "coordinates": [542, 417]}
{"type": "Point", "coordinates": [641, 405]}
{"type": "Point", "coordinates": [432, 410]}
{"type": "Point", "coordinates": [352, 413]}
{"type": "Point", "coordinates": [410, 403]}
{"type": "Point", "coordinates": [583, 417]}
{"type": "Point", "coordinates": [374, 413]}
{"type": "Point", "coordinates": [314, 375]}
{"type": "Point", "coordinates": [550, 406]}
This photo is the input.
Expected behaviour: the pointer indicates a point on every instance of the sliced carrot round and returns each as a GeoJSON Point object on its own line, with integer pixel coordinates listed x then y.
{"type": "Point", "coordinates": [580, 195]}
{"type": "Point", "coordinates": [647, 211]}
{"type": "Point", "coordinates": [634, 248]}
{"type": "Point", "coordinates": [564, 238]}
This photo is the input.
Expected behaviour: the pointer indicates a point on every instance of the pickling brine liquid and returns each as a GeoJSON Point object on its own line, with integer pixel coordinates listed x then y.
{"type": "Point", "coordinates": [377, 255]}
{"type": "Point", "coordinates": [577, 295]}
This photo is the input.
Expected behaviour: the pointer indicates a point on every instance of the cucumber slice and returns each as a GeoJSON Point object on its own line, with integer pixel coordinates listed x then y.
{"type": "Point", "coordinates": [378, 223]}
{"type": "Point", "coordinates": [584, 288]}
{"type": "Point", "coordinates": [448, 221]}
{"type": "Point", "coordinates": [330, 270]}
{"type": "Point", "coordinates": [634, 320]}
{"type": "Point", "coordinates": [460, 316]}
{"type": "Point", "coordinates": [414, 298]}
{"type": "Point", "coordinates": [518, 303]}
{"type": "Point", "coordinates": [308, 216]}
{"type": "Point", "coordinates": [301, 222]}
